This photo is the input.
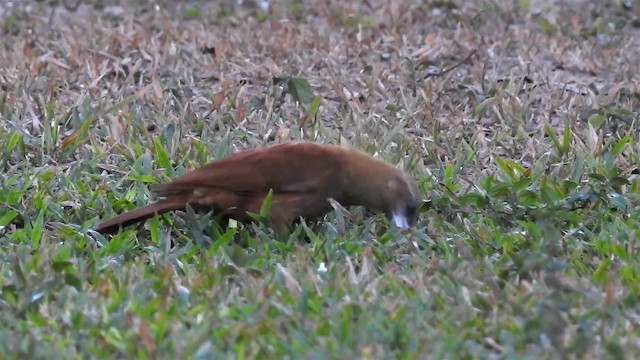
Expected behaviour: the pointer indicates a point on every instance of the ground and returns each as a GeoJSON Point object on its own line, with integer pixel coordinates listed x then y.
{"type": "Point", "coordinates": [517, 118]}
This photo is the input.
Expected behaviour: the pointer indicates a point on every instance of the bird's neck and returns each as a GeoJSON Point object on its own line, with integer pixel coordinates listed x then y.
{"type": "Point", "coordinates": [364, 180]}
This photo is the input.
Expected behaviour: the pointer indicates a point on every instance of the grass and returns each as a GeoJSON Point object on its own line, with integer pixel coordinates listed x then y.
{"type": "Point", "coordinates": [518, 119]}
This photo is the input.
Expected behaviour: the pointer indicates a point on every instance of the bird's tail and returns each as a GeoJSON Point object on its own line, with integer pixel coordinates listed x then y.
{"type": "Point", "coordinates": [139, 214]}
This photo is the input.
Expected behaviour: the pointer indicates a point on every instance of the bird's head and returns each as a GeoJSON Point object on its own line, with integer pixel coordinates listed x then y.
{"type": "Point", "coordinates": [401, 200]}
{"type": "Point", "coordinates": [385, 188]}
{"type": "Point", "coordinates": [380, 186]}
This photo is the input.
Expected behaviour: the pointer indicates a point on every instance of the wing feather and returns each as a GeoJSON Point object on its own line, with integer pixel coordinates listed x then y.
{"type": "Point", "coordinates": [295, 167]}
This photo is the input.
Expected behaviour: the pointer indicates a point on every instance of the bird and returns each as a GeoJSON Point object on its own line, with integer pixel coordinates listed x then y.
{"type": "Point", "coordinates": [301, 176]}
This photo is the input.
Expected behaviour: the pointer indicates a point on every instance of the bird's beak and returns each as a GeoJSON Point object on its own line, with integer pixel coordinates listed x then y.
{"type": "Point", "coordinates": [400, 219]}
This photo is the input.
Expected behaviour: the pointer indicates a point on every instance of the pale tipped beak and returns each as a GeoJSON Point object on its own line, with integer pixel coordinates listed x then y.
{"type": "Point", "coordinates": [400, 220]}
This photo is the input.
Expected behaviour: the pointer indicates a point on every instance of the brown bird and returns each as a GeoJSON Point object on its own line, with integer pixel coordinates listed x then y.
{"type": "Point", "coordinates": [302, 177]}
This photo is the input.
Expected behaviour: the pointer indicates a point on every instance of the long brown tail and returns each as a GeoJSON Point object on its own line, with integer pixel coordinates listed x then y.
{"type": "Point", "coordinates": [139, 214]}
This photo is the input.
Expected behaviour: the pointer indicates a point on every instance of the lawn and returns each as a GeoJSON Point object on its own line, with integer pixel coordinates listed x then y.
{"type": "Point", "coordinates": [518, 120]}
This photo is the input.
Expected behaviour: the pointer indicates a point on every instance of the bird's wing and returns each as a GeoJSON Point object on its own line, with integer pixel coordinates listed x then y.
{"type": "Point", "coordinates": [284, 168]}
